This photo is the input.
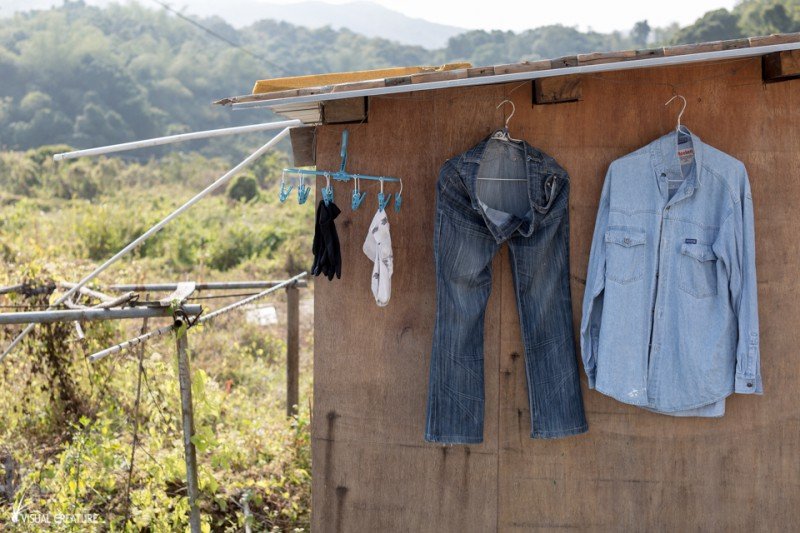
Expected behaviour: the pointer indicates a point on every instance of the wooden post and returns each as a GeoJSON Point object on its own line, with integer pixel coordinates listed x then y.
{"type": "Point", "coordinates": [292, 349]}
{"type": "Point", "coordinates": [187, 411]}
{"type": "Point", "coordinates": [9, 487]}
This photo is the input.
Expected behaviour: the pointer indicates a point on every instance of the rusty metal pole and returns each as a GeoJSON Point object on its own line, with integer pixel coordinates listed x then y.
{"type": "Point", "coordinates": [187, 412]}
{"type": "Point", "coordinates": [292, 349]}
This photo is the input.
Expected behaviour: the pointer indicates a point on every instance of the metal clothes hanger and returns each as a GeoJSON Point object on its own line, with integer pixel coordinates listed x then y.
{"type": "Point", "coordinates": [682, 133]}
{"type": "Point", "coordinates": [503, 135]}
{"type": "Point", "coordinates": [679, 126]}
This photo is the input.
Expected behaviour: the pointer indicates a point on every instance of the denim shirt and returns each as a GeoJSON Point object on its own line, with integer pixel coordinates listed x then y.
{"type": "Point", "coordinates": [670, 313]}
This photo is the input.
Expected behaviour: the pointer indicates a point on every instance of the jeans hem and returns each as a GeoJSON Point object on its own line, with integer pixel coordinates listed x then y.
{"type": "Point", "coordinates": [562, 433]}
{"type": "Point", "coordinates": [452, 439]}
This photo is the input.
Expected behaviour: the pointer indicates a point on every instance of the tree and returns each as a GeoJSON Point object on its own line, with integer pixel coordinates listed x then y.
{"type": "Point", "coordinates": [715, 25]}
{"type": "Point", "coordinates": [640, 33]}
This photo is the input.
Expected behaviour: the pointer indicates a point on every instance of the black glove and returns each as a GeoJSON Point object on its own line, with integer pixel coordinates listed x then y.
{"type": "Point", "coordinates": [326, 247]}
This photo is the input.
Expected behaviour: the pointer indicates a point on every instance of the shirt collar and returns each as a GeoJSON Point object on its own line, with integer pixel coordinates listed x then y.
{"type": "Point", "coordinates": [664, 152]}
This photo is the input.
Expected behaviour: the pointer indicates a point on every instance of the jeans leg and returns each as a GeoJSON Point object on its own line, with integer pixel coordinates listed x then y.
{"type": "Point", "coordinates": [540, 265]}
{"type": "Point", "coordinates": [463, 252]}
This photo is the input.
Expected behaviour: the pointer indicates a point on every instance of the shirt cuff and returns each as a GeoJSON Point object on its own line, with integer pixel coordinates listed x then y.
{"type": "Point", "coordinates": [591, 375]}
{"type": "Point", "coordinates": [743, 385]}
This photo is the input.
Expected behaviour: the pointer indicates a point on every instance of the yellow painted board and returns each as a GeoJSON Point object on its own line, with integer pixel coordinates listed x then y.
{"type": "Point", "coordinates": [319, 80]}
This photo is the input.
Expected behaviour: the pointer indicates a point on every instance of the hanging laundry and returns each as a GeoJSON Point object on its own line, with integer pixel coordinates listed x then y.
{"type": "Point", "coordinates": [327, 253]}
{"type": "Point", "coordinates": [378, 247]}
{"type": "Point", "coordinates": [670, 312]}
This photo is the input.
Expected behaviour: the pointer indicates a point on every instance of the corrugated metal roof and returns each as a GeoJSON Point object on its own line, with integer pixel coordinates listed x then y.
{"type": "Point", "coordinates": [304, 103]}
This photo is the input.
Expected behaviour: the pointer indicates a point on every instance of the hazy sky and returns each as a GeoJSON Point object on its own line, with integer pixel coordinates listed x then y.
{"type": "Point", "coordinates": [524, 14]}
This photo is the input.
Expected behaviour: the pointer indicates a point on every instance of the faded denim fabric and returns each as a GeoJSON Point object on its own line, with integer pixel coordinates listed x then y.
{"type": "Point", "coordinates": [473, 218]}
{"type": "Point", "coordinates": [670, 313]}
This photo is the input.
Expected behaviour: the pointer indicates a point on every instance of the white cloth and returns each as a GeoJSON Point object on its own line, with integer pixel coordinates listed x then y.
{"type": "Point", "coordinates": [378, 247]}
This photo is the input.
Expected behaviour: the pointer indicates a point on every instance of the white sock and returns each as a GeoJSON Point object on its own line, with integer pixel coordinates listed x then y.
{"type": "Point", "coordinates": [378, 247]}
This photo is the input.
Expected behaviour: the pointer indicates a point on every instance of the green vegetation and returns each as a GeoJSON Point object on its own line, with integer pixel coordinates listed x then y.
{"type": "Point", "coordinates": [88, 76]}
{"type": "Point", "coordinates": [84, 76]}
{"type": "Point", "coordinates": [69, 424]}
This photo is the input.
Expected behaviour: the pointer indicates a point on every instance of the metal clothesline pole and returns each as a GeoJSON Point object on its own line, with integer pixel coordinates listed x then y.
{"type": "Point", "coordinates": [69, 315]}
{"type": "Point", "coordinates": [142, 338]}
{"type": "Point", "coordinates": [211, 286]}
{"type": "Point", "coordinates": [224, 178]}
{"type": "Point", "coordinates": [170, 139]}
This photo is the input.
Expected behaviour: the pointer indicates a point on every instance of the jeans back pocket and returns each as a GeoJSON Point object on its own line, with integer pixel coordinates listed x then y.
{"type": "Point", "coordinates": [625, 254]}
{"type": "Point", "coordinates": [698, 272]}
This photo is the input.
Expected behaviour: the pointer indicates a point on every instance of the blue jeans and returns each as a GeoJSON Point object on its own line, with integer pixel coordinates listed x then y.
{"type": "Point", "coordinates": [474, 216]}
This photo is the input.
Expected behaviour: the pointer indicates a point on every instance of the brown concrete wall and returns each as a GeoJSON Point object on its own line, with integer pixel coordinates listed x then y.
{"type": "Point", "coordinates": [634, 470]}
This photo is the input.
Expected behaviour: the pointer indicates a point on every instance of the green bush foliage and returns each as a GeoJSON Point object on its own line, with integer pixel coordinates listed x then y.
{"type": "Point", "coordinates": [69, 425]}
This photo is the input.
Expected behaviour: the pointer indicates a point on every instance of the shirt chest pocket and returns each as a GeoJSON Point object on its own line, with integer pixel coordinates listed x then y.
{"type": "Point", "coordinates": [625, 249]}
{"type": "Point", "coordinates": [698, 270]}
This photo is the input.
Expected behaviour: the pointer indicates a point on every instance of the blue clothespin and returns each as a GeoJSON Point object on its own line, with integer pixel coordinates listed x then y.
{"type": "Point", "coordinates": [358, 196]}
{"type": "Point", "coordinates": [383, 202]}
{"type": "Point", "coordinates": [303, 191]}
{"type": "Point", "coordinates": [398, 198]}
{"type": "Point", "coordinates": [355, 202]}
{"type": "Point", "coordinates": [327, 191]}
{"type": "Point", "coordinates": [284, 193]}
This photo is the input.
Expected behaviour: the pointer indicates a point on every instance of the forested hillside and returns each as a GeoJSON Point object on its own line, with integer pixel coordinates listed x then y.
{"type": "Point", "coordinates": [87, 76]}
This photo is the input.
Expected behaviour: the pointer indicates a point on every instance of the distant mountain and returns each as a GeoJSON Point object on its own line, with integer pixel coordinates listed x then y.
{"type": "Point", "coordinates": [363, 17]}
{"type": "Point", "coordinates": [366, 18]}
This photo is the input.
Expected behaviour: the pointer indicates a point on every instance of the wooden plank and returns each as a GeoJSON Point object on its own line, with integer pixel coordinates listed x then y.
{"type": "Point", "coordinates": [634, 470]}
{"type": "Point", "coordinates": [525, 66]}
{"type": "Point", "coordinates": [477, 72]}
{"type": "Point", "coordinates": [557, 89]}
{"type": "Point", "coordinates": [781, 66]}
{"type": "Point", "coordinates": [561, 62]}
{"type": "Point", "coordinates": [443, 75]}
{"type": "Point", "coordinates": [303, 146]}
{"type": "Point", "coordinates": [781, 38]}
{"type": "Point", "coordinates": [345, 110]}
{"type": "Point", "coordinates": [369, 419]}
{"type": "Point", "coordinates": [607, 57]}
{"type": "Point", "coordinates": [397, 80]}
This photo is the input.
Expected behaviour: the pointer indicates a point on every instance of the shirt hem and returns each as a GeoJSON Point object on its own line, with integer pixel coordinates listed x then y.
{"type": "Point", "coordinates": [661, 410]}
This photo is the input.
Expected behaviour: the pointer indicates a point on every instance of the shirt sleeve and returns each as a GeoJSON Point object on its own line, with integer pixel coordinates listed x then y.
{"type": "Point", "coordinates": [595, 285]}
{"type": "Point", "coordinates": [736, 243]}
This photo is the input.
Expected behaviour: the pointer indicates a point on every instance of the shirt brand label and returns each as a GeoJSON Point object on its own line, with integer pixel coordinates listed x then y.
{"type": "Point", "coordinates": [691, 241]}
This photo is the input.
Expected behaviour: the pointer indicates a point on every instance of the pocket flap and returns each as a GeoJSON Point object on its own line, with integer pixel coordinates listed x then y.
{"type": "Point", "coordinates": [701, 252]}
{"type": "Point", "coordinates": [625, 237]}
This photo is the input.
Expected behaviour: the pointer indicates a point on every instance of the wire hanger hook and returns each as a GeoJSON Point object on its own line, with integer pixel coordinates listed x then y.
{"type": "Point", "coordinates": [513, 110]}
{"type": "Point", "coordinates": [678, 128]}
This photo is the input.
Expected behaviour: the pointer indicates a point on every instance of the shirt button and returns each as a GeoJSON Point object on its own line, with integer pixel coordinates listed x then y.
{"type": "Point", "coordinates": [667, 208]}
{"type": "Point", "coordinates": [750, 385]}
{"type": "Point", "coordinates": [627, 240]}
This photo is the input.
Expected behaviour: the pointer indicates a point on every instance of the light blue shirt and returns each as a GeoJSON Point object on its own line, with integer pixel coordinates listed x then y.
{"type": "Point", "coordinates": [670, 312]}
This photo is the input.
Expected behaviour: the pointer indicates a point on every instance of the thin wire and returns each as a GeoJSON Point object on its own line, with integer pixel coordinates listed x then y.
{"type": "Point", "coordinates": [219, 36]}
{"type": "Point", "coordinates": [216, 296]}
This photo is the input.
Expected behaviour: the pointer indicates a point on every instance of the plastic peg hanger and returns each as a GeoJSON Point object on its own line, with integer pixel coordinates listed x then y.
{"type": "Point", "coordinates": [284, 192]}
{"type": "Point", "coordinates": [303, 191]}
{"type": "Point", "coordinates": [398, 198]}
{"type": "Point", "coordinates": [358, 196]}
{"type": "Point", "coordinates": [383, 201]}
{"type": "Point", "coordinates": [327, 191]}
